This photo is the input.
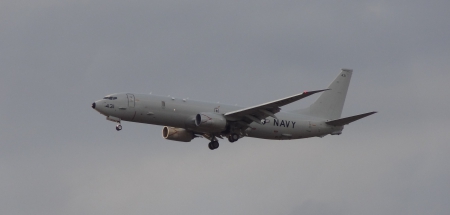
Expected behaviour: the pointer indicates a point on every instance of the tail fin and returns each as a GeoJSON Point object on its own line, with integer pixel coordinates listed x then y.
{"type": "Point", "coordinates": [330, 103]}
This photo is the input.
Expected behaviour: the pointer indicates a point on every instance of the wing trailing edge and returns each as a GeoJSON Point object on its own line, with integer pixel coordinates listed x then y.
{"type": "Point", "coordinates": [348, 120]}
{"type": "Point", "coordinates": [270, 108]}
{"type": "Point", "coordinates": [243, 117]}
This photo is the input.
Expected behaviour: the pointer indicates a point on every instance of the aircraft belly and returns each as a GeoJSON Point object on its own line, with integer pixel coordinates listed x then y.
{"type": "Point", "coordinates": [268, 131]}
{"type": "Point", "coordinates": [302, 129]}
{"type": "Point", "coordinates": [260, 133]}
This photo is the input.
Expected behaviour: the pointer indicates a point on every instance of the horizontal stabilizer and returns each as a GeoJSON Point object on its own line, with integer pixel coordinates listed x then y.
{"type": "Point", "coordinates": [348, 120]}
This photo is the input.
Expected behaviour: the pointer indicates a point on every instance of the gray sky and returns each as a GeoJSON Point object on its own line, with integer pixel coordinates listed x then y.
{"type": "Point", "coordinates": [58, 156]}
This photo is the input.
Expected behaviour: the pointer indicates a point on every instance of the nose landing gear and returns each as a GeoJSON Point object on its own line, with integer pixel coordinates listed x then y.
{"type": "Point", "coordinates": [115, 119]}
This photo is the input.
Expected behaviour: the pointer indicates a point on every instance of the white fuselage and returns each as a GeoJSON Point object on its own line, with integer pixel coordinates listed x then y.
{"type": "Point", "coordinates": [180, 113]}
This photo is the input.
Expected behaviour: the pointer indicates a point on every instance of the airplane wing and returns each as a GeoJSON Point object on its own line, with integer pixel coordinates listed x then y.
{"type": "Point", "coordinates": [257, 113]}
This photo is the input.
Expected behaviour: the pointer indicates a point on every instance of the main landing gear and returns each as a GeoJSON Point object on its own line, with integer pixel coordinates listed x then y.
{"type": "Point", "coordinates": [233, 137]}
{"type": "Point", "coordinates": [118, 127]}
{"type": "Point", "coordinates": [213, 144]}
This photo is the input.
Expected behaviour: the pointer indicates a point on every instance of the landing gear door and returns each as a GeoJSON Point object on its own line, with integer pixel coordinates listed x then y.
{"type": "Point", "coordinates": [131, 100]}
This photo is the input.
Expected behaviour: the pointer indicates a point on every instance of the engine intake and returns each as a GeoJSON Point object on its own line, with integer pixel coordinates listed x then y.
{"type": "Point", "coordinates": [210, 122]}
{"type": "Point", "coordinates": [177, 134]}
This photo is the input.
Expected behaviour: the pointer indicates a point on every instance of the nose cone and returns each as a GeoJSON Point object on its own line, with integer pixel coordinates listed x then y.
{"type": "Point", "coordinates": [97, 105]}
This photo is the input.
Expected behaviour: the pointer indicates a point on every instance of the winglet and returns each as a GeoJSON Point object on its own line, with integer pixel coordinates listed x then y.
{"type": "Point", "coordinates": [348, 120]}
{"type": "Point", "coordinates": [314, 91]}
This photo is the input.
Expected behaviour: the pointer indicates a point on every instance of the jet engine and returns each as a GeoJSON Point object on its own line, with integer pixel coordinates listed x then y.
{"type": "Point", "coordinates": [210, 122]}
{"type": "Point", "coordinates": [177, 134]}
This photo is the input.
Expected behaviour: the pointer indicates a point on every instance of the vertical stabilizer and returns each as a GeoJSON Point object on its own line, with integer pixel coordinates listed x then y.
{"type": "Point", "coordinates": [330, 103]}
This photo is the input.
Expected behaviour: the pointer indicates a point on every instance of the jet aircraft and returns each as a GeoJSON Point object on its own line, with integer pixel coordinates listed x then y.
{"type": "Point", "coordinates": [185, 119]}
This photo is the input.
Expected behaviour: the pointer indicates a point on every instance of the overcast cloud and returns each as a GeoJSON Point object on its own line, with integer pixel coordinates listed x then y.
{"type": "Point", "coordinates": [58, 156]}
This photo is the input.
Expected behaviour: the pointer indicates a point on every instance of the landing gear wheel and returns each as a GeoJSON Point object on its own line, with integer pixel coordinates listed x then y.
{"type": "Point", "coordinates": [118, 127]}
{"type": "Point", "coordinates": [233, 137]}
{"type": "Point", "coordinates": [213, 145]}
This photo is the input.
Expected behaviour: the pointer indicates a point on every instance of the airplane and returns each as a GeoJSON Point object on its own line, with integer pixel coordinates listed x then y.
{"type": "Point", "coordinates": [185, 119]}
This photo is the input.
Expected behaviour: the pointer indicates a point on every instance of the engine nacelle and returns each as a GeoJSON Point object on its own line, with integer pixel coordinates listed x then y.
{"type": "Point", "coordinates": [210, 122]}
{"type": "Point", "coordinates": [177, 134]}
